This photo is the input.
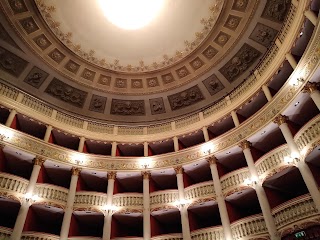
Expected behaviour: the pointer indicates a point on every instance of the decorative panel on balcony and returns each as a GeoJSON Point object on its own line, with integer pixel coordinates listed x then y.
{"type": "Point", "coordinates": [201, 190]}
{"type": "Point", "coordinates": [52, 193]}
{"type": "Point", "coordinates": [213, 233]}
{"type": "Point", "coordinates": [90, 199]}
{"type": "Point", "coordinates": [234, 181]}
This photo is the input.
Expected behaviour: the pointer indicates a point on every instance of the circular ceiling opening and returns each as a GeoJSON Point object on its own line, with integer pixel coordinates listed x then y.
{"type": "Point", "coordinates": [131, 14]}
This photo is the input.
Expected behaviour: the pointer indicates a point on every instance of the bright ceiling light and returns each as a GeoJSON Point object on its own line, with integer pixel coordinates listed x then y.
{"type": "Point", "coordinates": [131, 14]}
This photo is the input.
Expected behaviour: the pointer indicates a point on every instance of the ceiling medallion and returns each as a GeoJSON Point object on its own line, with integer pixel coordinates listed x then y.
{"type": "Point", "coordinates": [48, 13]}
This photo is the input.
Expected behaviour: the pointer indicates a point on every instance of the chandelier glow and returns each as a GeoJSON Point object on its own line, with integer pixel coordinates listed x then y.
{"type": "Point", "coordinates": [131, 14]}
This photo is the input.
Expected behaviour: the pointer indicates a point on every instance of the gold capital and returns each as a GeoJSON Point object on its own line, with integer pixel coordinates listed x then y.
{"type": "Point", "coordinates": [146, 174]}
{"type": "Point", "coordinates": [178, 169]}
{"type": "Point", "coordinates": [280, 119]}
{"type": "Point", "coordinates": [76, 171]}
{"type": "Point", "coordinates": [112, 175]}
{"type": "Point", "coordinates": [212, 160]}
{"type": "Point", "coordinates": [245, 144]}
{"type": "Point", "coordinates": [38, 160]}
{"type": "Point", "coordinates": [310, 87]}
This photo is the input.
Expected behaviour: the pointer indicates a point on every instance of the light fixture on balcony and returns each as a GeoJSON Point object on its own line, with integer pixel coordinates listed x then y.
{"type": "Point", "coordinates": [30, 198]}
{"type": "Point", "coordinates": [292, 160]}
{"type": "Point", "coordinates": [109, 208]}
{"type": "Point", "coordinates": [78, 159]}
{"type": "Point", "coordinates": [145, 162]}
{"type": "Point", "coordinates": [207, 149]}
{"type": "Point", "coordinates": [182, 203]}
{"type": "Point", "coordinates": [5, 134]}
{"type": "Point", "coordinates": [251, 182]}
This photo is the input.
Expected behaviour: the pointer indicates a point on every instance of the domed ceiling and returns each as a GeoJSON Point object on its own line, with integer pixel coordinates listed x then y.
{"type": "Point", "coordinates": [191, 54]}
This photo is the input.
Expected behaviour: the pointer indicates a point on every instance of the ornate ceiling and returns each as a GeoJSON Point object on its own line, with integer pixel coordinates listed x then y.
{"type": "Point", "coordinates": [187, 58]}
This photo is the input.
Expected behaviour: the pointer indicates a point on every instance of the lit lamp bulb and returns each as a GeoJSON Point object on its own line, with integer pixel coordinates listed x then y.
{"type": "Point", "coordinates": [288, 160]}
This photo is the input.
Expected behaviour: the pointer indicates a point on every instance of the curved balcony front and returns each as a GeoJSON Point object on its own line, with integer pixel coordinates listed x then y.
{"type": "Point", "coordinates": [234, 181]}
{"type": "Point", "coordinates": [162, 199]}
{"type": "Point", "coordinates": [249, 228]}
{"type": "Point", "coordinates": [11, 185]}
{"type": "Point", "coordinates": [38, 236]}
{"type": "Point", "coordinates": [213, 233]}
{"type": "Point", "coordinates": [295, 210]}
{"type": "Point", "coordinates": [204, 190]}
{"type": "Point", "coordinates": [272, 162]}
{"type": "Point", "coordinates": [87, 200]}
{"type": "Point", "coordinates": [173, 236]}
{"type": "Point", "coordinates": [128, 201]}
{"type": "Point", "coordinates": [52, 194]}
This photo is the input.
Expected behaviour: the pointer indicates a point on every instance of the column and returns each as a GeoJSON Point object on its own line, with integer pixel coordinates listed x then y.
{"type": "Point", "coordinates": [146, 206]}
{"type": "Point", "coordinates": [262, 197]}
{"type": "Point", "coordinates": [26, 203]}
{"type": "Point", "coordinates": [220, 199]}
{"type": "Point", "coordinates": [145, 149]}
{"type": "Point", "coordinates": [235, 118]}
{"type": "Point", "coordinates": [266, 92]}
{"type": "Point", "coordinates": [205, 134]}
{"type": "Point", "coordinates": [10, 118]}
{"type": "Point", "coordinates": [182, 206]}
{"type": "Point", "coordinates": [176, 144]}
{"type": "Point", "coordinates": [69, 206]}
{"type": "Point", "coordinates": [313, 91]}
{"type": "Point", "coordinates": [108, 212]}
{"type": "Point", "coordinates": [304, 169]}
{"type": "Point", "coordinates": [81, 144]}
{"type": "Point", "coordinates": [48, 133]}
{"type": "Point", "coordinates": [37, 164]}
{"type": "Point", "coordinates": [311, 16]}
{"type": "Point", "coordinates": [292, 61]}
{"type": "Point", "coordinates": [113, 149]}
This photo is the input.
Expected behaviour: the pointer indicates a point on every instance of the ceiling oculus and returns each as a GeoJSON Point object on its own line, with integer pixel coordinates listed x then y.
{"type": "Point", "coordinates": [131, 14]}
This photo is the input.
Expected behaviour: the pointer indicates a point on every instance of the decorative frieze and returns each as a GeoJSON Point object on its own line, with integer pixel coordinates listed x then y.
{"type": "Point", "coordinates": [185, 98]}
{"type": "Point", "coordinates": [11, 63]}
{"type": "Point", "coordinates": [251, 226]}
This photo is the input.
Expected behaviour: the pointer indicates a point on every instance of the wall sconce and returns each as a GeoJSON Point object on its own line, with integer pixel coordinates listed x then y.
{"type": "Point", "coordinates": [182, 203]}
{"type": "Point", "coordinates": [110, 208]}
{"type": "Point", "coordinates": [291, 160]}
{"type": "Point", "coordinates": [5, 134]}
{"type": "Point", "coordinates": [31, 198]}
{"type": "Point", "coordinates": [145, 162]}
{"type": "Point", "coordinates": [250, 182]}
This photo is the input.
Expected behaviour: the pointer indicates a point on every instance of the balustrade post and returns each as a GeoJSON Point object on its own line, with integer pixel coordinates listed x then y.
{"type": "Point", "coordinates": [182, 206]}
{"type": "Point", "coordinates": [23, 211]}
{"type": "Point", "coordinates": [108, 214]}
{"type": "Point", "coordinates": [10, 118]}
{"type": "Point", "coordinates": [48, 133]}
{"type": "Point", "coordinates": [313, 91]}
{"type": "Point", "coordinates": [261, 194]}
{"type": "Point", "coordinates": [69, 206]}
{"type": "Point", "coordinates": [220, 199]}
{"type": "Point", "coordinates": [304, 169]}
{"type": "Point", "coordinates": [146, 206]}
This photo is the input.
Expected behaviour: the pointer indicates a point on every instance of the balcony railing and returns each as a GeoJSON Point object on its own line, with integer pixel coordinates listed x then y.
{"type": "Point", "coordinates": [38, 236]}
{"type": "Point", "coordinates": [90, 199]}
{"type": "Point", "coordinates": [173, 236]}
{"type": "Point", "coordinates": [234, 180]}
{"type": "Point", "coordinates": [128, 200]}
{"type": "Point", "coordinates": [5, 233]}
{"type": "Point", "coordinates": [52, 193]}
{"type": "Point", "coordinates": [251, 226]}
{"type": "Point", "coordinates": [294, 210]}
{"type": "Point", "coordinates": [162, 198]}
{"type": "Point", "coordinates": [13, 184]}
{"type": "Point", "coordinates": [308, 134]}
{"type": "Point", "coordinates": [201, 190]}
{"type": "Point", "coordinates": [213, 233]}
{"type": "Point", "coordinates": [271, 161]}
